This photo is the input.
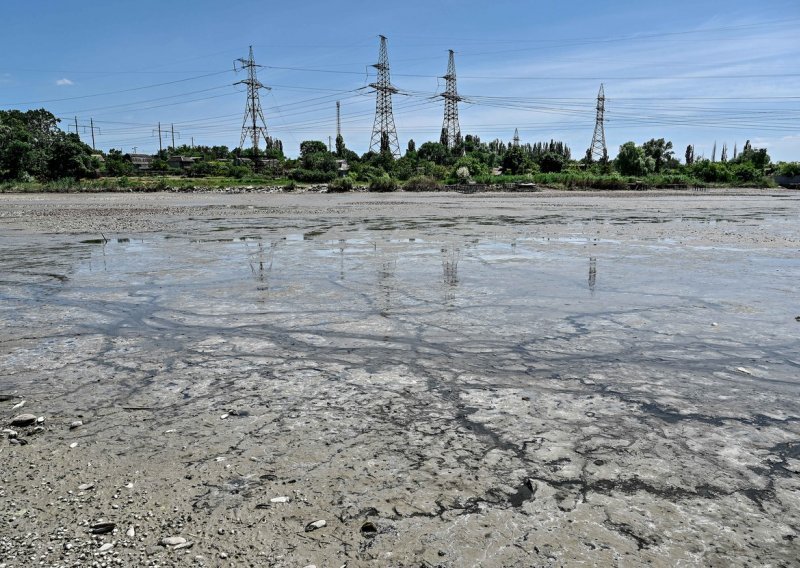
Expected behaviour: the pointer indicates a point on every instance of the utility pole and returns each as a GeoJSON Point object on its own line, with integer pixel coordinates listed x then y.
{"type": "Point", "coordinates": [253, 113]}
{"type": "Point", "coordinates": [91, 125]}
{"type": "Point", "coordinates": [330, 147]}
{"type": "Point", "coordinates": [172, 128]}
{"type": "Point", "coordinates": [338, 119]}
{"type": "Point", "coordinates": [76, 127]}
{"type": "Point", "coordinates": [451, 130]}
{"type": "Point", "coordinates": [384, 132]}
{"type": "Point", "coordinates": [160, 149]}
{"type": "Point", "coordinates": [192, 142]}
{"type": "Point", "coordinates": [135, 148]}
{"type": "Point", "coordinates": [598, 150]}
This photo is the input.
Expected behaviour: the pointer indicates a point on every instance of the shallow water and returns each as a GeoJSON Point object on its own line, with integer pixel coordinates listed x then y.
{"type": "Point", "coordinates": [634, 390]}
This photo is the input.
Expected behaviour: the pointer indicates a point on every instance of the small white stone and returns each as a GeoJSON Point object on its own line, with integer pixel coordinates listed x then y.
{"type": "Point", "coordinates": [172, 540]}
{"type": "Point", "coordinates": [743, 370]}
{"type": "Point", "coordinates": [76, 424]}
{"type": "Point", "coordinates": [106, 547]}
{"type": "Point", "coordinates": [282, 499]}
{"type": "Point", "coordinates": [18, 405]}
{"type": "Point", "coordinates": [85, 486]}
{"type": "Point", "coordinates": [131, 532]}
{"type": "Point", "coordinates": [224, 416]}
{"type": "Point", "coordinates": [73, 445]}
{"type": "Point", "coordinates": [315, 525]}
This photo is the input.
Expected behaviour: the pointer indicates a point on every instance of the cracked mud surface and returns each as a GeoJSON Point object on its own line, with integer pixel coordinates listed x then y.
{"type": "Point", "coordinates": [508, 380]}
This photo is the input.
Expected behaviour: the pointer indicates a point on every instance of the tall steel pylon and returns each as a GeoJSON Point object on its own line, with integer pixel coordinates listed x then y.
{"type": "Point", "coordinates": [384, 133]}
{"type": "Point", "coordinates": [252, 114]}
{"type": "Point", "coordinates": [451, 130]}
{"type": "Point", "coordinates": [598, 149]}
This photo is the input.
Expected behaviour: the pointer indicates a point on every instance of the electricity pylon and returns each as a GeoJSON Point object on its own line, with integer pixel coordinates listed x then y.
{"type": "Point", "coordinates": [253, 113]}
{"type": "Point", "coordinates": [451, 131]}
{"type": "Point", "coordinates": [598, 149]}
{"type": "Point", "coordinates": [384, 133]}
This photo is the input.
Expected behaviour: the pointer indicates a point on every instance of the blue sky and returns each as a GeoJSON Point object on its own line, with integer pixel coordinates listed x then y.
{"type": "Point", "coordinates": [693, 72]}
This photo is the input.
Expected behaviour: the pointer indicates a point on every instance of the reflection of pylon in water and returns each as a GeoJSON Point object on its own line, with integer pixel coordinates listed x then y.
{"type": "Point", "coordinates": [450, 258]}
{"type": "Point", "coordinates": [592, 273]}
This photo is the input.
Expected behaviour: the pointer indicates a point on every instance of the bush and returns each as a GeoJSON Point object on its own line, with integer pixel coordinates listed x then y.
{"type": "Point", "coordinates": [422, 183]}
{"type": "Point", "coordinates": [746, 173]}
{"type": "Point", "coordinates": [312, 176]}
{"type": "Point", "coordinates": [789, 169]}
{"type": "Point", "coordinates": [712, 172]}
{"type": "Point", "coordinates": [383, 184]}
{"type": "Point", "coordinates": [340, 185]}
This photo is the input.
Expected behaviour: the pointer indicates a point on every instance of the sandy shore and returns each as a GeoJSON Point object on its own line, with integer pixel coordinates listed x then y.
{"type": "Point", "coordinates": [445, 380]}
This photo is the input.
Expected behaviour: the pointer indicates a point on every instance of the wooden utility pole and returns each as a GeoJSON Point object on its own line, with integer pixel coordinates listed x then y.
{"type": "Point", "coordinates": [172, 127]}
{"type": "Point", "coordinates": [76, 126]}
{"type": "Point", "coordinates": [160, 149]}
{"type": "Point", "coordinates": [91, 126]}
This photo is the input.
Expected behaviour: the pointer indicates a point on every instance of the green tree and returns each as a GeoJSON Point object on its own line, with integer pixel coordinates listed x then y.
{"type": "Point", "coordinates": [312, 147]}
{"type": "Point", "coordinates": [631, 161]}
{"type": "Point", "coordinates": [659, 150]}
{"type": "Point", "coordinates": [516, 161]}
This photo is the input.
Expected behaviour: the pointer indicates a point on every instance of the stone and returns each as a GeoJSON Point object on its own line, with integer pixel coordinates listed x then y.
{"type": "Point", "coordinates": [187, 544]}
{"type": "Point", "coordinates": [18, 405]}
{"type": "Point", "coordinates": [76, 424]}
{"type": "Point", "coordinates": [315, 525]}
{"type": "Point", "coordinates": [73, 445]}
{"type": "Point", "coordinates": [131, 532]}
{"type": "Point", "coordinates": [102, 527]}
{"type": "Point", "coordinates": [282, 499]}
{"type": "Point", "coordinates": [10, 433]}
{"type": "Point", "coordinates": [85, 486]}
{"type": "Point", "coordinates": [172, 541]}
{"type": "Point", "coordinates": [106, 547]}
{"type": "Point", "coordinates": [23, 420]}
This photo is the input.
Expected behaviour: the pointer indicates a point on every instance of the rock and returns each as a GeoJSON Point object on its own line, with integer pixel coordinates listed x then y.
{"type": "Point", "coordinates": [224, 416]}
{"type": "Point", "coordinates": [223, 555]}
{"type": "Point", "coordinates": [18, 405]}
{"type": "Point", "coordinates": [131, 532]}
{"type": "Point", "coordinates": [172, 541]}
{"type": "Point", "coordinates": [315, 525]}
{"type": "Point", "coordinates": [282, 499]}
{"type": "Point", "coordinates": [743, 370]}
{"type": "Point", "coordinates": [73, 445]}
{"type": "Point", "coordinates": [76, 424]}
{"type": "Point", "coordinates": [10, 433]}
{"type": "Point", "coordinates": [187, 544]}
{"type": "Point", "coordinates": [714, 324]}
{"type": "Point", "coordinates": [40, 420]}
{"type": "Point", "coordinates": [369, 529]}
{"type": "Point", "coordinates": [797, 318]}
{"type": "Point", "coordinates": [85, 486]}
{"type": "Point", "coordinates": [23, 420]}
{"type": "Point", "coordinates": [106, 547]}
{"type": "Point", "coordinates": [102, 528]}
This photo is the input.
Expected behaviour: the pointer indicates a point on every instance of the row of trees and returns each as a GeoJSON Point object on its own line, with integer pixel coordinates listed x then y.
{"type": "Point", "coordinates": [33, 147]}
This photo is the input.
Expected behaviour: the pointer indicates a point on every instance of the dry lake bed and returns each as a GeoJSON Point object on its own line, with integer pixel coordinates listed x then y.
{"type": "Point", "coordinates": [400, 380]}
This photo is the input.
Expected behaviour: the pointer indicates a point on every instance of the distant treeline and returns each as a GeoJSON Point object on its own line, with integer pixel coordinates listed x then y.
{"type": "Point", "coordinates": [34, 148]}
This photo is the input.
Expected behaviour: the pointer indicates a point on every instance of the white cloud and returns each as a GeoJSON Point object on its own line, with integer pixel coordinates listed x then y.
{"type": "Point", "coordinates": [64, 82]}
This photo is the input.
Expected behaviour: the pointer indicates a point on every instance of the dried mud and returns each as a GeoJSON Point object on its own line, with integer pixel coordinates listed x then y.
{"type": "Point", "coordinates": [500, 380]}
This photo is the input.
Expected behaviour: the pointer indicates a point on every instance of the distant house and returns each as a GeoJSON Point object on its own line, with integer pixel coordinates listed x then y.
{"type": "Point", "coordinates": [342, 167]}
{"type": "Point", "coordinates": [142, 162]}
{"type": "Point", "coordinates": [182, 162]}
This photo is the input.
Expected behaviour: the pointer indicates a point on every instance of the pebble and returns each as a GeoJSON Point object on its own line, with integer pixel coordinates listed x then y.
{"type": "Point", "coordinates": [743, 370]}
{"type": "Point", "coordinates": [223, 555]}
{"type": "Point", "coordinates": [106, 547]}
{"type": "Point", "coordinates": [131, 532]}
{"type": "Point", "coordinates": [283, 499]}
{"type": "Point", "coordinates": [73, 445]}
{"type": "Point", "coordinates": [224, 416]}
{"type": "Point", "coordinates": [76, 424]}
{"type": "Point", "coordinates": [85, 486]}
{"type": "Point", "coordinates": [714, 324]}
{"type": "Point", "coordinates": [172, 541]}
{"type": "Point", "coordinates": [23, 420]}
{"type": "Point", "coordinates": [187, 544]}
{"type": "Point", "coordinates": [18, 405]}
{"type": "Point", "coordinates": [315, 525]}
{"type": "Point", "coordinates": [10, 433]}
{"type": "Point", "coordinates": [40, 420]}
{"type": "Point", "coordinates": [102, 528]}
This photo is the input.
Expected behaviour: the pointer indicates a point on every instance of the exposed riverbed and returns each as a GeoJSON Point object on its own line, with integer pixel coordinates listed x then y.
{"type": "Point", "coordinates": [485, 380]}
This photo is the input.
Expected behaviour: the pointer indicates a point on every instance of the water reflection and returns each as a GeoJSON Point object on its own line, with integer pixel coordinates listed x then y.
{"type": "Point", "coordinates": [451, 255]}
{"type": "Point", "coordinates": [592, 274]}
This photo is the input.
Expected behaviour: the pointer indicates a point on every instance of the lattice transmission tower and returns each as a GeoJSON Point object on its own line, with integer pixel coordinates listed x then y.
{"type": "Point", "coordinates": [384, 133]}
{"type": "Point", "coordinates": [451, 130]}
{"type": "Point", "coordinates": [254, 126]}
{"type": "Point", "coordinates": [598, 149]}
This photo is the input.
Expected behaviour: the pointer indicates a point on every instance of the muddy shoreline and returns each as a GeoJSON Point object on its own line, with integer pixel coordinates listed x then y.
{"type": "Point", "coordinates": [545, 379]}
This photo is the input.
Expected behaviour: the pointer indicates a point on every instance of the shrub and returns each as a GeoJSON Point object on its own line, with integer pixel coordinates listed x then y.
{"type": "Point", "coordinates": [422, 183]}
{"type": "Point", "coordinates": [340, 185]}
{"type": "Point", "coordinates": [383, 184]}
{"type": "Point", "coordinates": [312, 176]}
